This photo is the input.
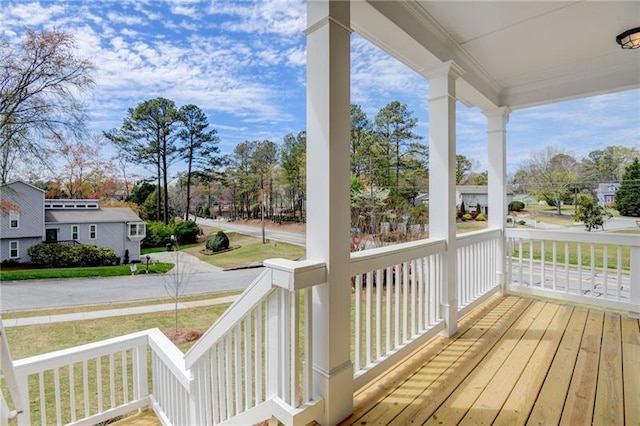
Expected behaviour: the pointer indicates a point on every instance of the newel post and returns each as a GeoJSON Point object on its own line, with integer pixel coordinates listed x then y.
{"type": "Point", "coordinates": [497, 120]}
{"type": "Point", "coordinates": [328, 209]}
{"type": "Point", "coordinates": [442, 181]}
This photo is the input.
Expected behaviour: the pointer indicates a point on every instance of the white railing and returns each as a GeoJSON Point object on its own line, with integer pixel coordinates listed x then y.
{"type": "Point", "coordinates": [477, 262]}
{"type": "Point", "coordinates": [8, 372]}
{"type": "Point", "coordinates": [396, 303]}
{"type": "Point", "coordinates": [595, 268]}
{"type": "Point", "coordinates": [255, 362]}
{"type": "Point", "coordinates": [86, 384]}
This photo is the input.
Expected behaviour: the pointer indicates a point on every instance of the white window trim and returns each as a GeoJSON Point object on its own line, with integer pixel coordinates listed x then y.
{"type": "Point", "coordinates": [14, 216]}
{"type": "Point", "coordinates": [17, 249]}
{"type": "Point", "coordinates": [94, 232]}
{"type": "Point", "coordinates": [139, 230]}
{"type": "Point", "coordinates": [75, 229]}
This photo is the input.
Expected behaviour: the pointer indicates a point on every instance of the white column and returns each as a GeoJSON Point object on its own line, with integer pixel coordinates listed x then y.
{"type": "Point", "coordinates": [497, 120]}
{"type": "Point", "coordinates": [328, 105]}
{"type": "Point", "coordinates": [442, 180]}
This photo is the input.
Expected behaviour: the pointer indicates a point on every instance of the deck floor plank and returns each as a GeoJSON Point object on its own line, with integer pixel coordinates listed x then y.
{"type": "Point", "coordinates": [456, 406]}
{"type": "Point", "coordinates": [458, 367]}
{"type": "Point", "coordinates": [489, 403]}
{"type": "Point", "coordinates": [631, 369]}
{"type": "Point", "coordinates": [523, 396]}
{"type": "Point", "coordinates": [609, 405]}
{"type": "Point", "coordinates": [382, 410]}
{"type": "Point", "coordinates": [538, 362]}
{"type": "Point", "coordinates": [581, 397]}
{"type": "Point", "coordinates": [548, 407]}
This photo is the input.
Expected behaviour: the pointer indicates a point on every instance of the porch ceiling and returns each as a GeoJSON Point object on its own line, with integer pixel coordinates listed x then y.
{"type": "Point", "coordinates": [514, 53]}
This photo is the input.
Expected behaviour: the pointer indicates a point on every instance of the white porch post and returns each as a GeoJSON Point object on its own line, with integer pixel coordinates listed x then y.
{"type": "Point", "coordinates": [442, 180]}
{"type": "Point", "coordinates": [497, 120]}
{"type": "Point", "coordinates": [328, 105]}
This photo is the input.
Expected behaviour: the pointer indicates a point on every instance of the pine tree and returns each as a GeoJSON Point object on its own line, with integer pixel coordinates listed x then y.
{"type": "Point", "coordinates": [628, 195]}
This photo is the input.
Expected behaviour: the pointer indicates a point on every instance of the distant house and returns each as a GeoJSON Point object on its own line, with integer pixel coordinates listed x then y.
{"type": "Point", "coordinates": [472, 195]}
{"type": "Point", "coordinates": [607, 193]}
{"type": "Point", "coordinates": [29, 219]}
{"type": "Point", "coordinates": [527, 199]}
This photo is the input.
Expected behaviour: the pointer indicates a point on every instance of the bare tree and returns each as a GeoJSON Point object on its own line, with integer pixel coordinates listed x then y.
{"type": "Point", "coordinates": [41, 80]}
{"type": "Point", "coordinates": [176, 280]}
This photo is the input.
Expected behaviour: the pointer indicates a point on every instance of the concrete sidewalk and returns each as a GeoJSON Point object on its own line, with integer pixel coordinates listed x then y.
{"type": "Point", "coordinates": [79, 316]}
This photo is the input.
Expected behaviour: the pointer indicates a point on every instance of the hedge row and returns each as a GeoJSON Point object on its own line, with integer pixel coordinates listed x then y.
{"type": "Point", "coordinates": [62, 255]}
{"type": "Point", "coordinates": [159, 234]}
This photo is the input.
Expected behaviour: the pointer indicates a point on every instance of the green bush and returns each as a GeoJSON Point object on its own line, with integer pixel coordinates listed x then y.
{"type": "Point", "coordinates": [158, 234]}
{"type": "Point", "coordinates": [186, 232]}
{"type": "Point", "coordinates": [218, 242]}
{"type": "Point", "coordinates": [62, 255]}
{"type": "Point", "coordinates": [516, 206]}
{"type": "Point", "coordinates": [481, 218]}
{"type": "Point", "coordinates": [466, 217]}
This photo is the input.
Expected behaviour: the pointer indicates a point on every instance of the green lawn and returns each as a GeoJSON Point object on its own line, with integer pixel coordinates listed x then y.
{"type": "Point", "coordinates": [249, 251]}
{"type": "Point", "coordinates": [148, 250]}
{"type": "Point", "coordinates": [83, 272]}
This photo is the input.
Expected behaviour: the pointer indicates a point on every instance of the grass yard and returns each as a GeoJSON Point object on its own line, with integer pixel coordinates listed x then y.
{"type": "Point", "coordinates": [83, 272]}
{"type": "Point", "coordinates": [470, 226]}
{"type": "Point", "coordinates": [250, 251]}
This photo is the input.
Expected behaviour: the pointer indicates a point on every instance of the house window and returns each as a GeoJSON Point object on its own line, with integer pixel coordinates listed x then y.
{"type": "Point", "coordinates": [93, 232]}
{"type": "Point", "coordinates": [14, 251]}
{"type": "Point", "coordinates": [75, 232]}
{"type": "Point", "coordinates": [137, 229]}
{"type": "Point", "coordinates": [14, 220]}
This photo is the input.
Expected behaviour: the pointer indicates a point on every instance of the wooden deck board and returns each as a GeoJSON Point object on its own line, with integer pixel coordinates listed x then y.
{"type": "Point", "coordinates": [582, 391]}
{"type": "Point", "coordinates": [609, 405]}
{"type": "Point", "coordinates": [539, 362]}
{"type": "Point", "coordinates": [631, 369]}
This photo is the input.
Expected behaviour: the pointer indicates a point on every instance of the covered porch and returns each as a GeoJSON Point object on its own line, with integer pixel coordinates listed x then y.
{"type": "Point", "coordinates": [308, 340]}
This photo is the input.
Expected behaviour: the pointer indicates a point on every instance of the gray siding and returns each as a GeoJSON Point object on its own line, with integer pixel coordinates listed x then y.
{"type": "Point", "coordinates": [112, 235]}
{"type": "Point", "coordinates": [23, 246]}
{"type": "Point", "coordinates": [30, 231]}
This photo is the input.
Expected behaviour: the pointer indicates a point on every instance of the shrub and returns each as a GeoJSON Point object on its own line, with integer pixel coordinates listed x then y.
{"type": "Point", "coordinates": [516, 206]}
{"type": "Point", "coordinates": [158, 234]}
{"type": "Point", "coordinates": [61, 255]}
{"type": "Point", "coordinates": [481, 218]}
{"type": "Point", "coordinates": [466, 217]}
{"type": "Point", "coordinates": [463, 208]}
{"type": "Point", "coordinates": [186, 232]}
{"type": "Point", "coordinates": [218, 242]}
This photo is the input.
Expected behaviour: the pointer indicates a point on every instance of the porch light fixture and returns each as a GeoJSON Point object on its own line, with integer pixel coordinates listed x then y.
{"type": "Point", "coordinates": [629, 39]}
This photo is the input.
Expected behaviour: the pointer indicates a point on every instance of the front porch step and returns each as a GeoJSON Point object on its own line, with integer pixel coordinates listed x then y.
{"type": "Point", "coordinates": [144, 418]}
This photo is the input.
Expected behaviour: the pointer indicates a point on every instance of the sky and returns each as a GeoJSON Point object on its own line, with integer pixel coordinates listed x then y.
{"type": "Point", "coordinates": [243, 63]}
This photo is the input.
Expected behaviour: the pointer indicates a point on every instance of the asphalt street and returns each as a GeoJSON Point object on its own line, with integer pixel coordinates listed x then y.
{"type": "Point", "coordinates": [39, 294]}
{"type": "Point", "coordinates": [271, 234]}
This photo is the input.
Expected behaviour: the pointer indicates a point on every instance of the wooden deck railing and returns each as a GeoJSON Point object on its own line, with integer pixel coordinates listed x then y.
{"type": "Point", "coordinates": [477, 266]}
{"type": "Point", "coordinates": [594, 268]}
{"type": "Point", "coordinates": [396, 303]}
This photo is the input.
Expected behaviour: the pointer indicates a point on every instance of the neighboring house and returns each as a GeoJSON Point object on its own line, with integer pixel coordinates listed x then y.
{"type": "Point", "coordinates": [22, 220]}
{"type": "Point", "coordinates": [607, 193]}
{"type": "Point", "coordinates": [472, 195]}
{"type": "Point", "coordinates": [72, 221]}
{"type": "Point", "coordinates": [527, 199]}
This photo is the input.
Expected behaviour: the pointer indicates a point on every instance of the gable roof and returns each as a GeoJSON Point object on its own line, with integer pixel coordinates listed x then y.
{"type": "Point", "coordinates": [102, 215]}
{"type": "Point", "coordinates": [10, 184]}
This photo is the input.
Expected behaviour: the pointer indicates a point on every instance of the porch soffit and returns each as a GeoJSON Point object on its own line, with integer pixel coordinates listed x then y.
{"type": "Point", "coordinates": [515, 54]}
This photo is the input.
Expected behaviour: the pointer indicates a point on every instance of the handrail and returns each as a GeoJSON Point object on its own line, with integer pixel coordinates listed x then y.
{"type": "Point", "coordinates": [368, 260]}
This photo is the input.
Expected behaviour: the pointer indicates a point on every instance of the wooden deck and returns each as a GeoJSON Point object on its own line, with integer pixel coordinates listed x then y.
{"type": "Point", "coordinates": [516, 361]}
{"type": "Point", "coordinates": [145, 418]}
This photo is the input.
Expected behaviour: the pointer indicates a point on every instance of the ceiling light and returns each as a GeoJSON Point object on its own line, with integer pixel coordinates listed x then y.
{"type": "Point", "coordinates": [629, 39]}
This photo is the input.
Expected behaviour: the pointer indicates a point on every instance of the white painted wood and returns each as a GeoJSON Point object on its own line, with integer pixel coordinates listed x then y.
{"type": "Point", "coordinates": [442, 157]}
{"type": "Point", "coordinates": [608, 285]}
{"type": "Point", "coordinates": [328, 131]}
